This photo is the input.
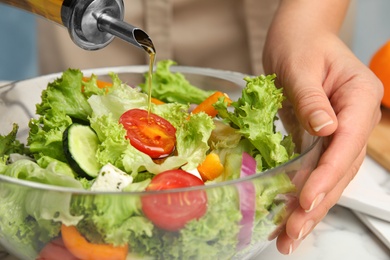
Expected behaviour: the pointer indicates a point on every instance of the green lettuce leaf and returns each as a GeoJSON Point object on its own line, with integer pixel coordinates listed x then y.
{"type": "Point", "coordinates": [173, 87]}
{"type": "Point", "coordinates": [9, 144]}
{"type": "Point", "coordinates": [117, 100]}
{"type": "Point", "coordinates": [17, 228]}
{"type": "Point", "coordinates": [112, 218]}
{"type": "Point", "coordinates": [254, 115]}
{"type": "Point", "coordinates": [58, 166]}
{"type": "Point", "coordinates": [28, 170]}
{"type": "Point", "coordinates": [112, 139]}
{"type": "Point", "coordinates": [65, 94]}
{"type": "Point", "coordinates": [192, 139]}
{"type": "Point", "coordinates": [90, 87]}
{"type": "Point", "coordinates": [46, 132]}
{"type": "Point", "coordinates": [31, 217]}
{"type": "Point", "coordinates": [64, 101]}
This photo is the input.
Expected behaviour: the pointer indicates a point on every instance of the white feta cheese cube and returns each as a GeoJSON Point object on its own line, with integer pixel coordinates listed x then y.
{"type": "Point", "coordinates": [111, 178]}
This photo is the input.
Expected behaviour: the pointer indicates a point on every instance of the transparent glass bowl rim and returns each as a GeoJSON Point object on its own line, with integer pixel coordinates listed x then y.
{"type": "Point", "coordinates": [234, 77]}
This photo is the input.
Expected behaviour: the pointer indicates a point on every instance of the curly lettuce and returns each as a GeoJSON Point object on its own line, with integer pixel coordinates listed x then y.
{"type": "Point", "coordinates": [31, 217]}
{"type": "Point", "coordinates": [9, 144]}
{"type": "Point", "coordinates": [254, 115]}
{"type": "Point", "coordinates": [62, 102]}
{"type": "Point", "coordinates": [173, 87]}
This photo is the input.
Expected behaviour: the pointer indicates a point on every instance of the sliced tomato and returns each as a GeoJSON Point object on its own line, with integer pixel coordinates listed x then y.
{"type": "Point", "coordinates": [149, 133]}
{"type": "Point", "coordinates": [172, 211]}
{"type": "Point", "coordinates": [54, 250]}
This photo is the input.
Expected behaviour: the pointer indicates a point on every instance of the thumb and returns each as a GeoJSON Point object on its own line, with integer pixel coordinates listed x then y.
{"type": "Point", "coordinates": [312, 106]}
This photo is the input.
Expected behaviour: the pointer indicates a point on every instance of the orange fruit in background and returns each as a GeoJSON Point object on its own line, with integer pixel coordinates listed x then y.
{"type": "Point", "coordinates": [380, 65]}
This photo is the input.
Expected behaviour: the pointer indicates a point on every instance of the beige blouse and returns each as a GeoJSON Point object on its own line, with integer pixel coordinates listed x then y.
{"type": "Point", "coordinates": [222, 34]}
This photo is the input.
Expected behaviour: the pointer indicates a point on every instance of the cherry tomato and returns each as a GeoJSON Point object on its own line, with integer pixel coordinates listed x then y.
{"type": "Point", "coordinates": [54, 250]}
{"type": "Point", "coordinates": [149, 133]}
{"type": "Point", "coordinates": [172, 211]}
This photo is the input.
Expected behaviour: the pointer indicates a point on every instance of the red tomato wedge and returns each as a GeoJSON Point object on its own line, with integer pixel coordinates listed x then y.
{"type": "Point", "coordinates": [172, 211]}
{"type": "Point", "coordinates": [149, 133]}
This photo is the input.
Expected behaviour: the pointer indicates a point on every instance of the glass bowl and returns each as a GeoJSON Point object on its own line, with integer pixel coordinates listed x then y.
{"type": "Point", "coordinates": [31, 213]}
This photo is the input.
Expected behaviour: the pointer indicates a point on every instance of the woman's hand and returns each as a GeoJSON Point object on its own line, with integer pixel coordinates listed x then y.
{"type": "Point", "coordinates": [333, 94]}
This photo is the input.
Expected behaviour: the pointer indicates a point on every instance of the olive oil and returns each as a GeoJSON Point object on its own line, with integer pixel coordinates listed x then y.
{"type": "Point", "coordinates": [152, 56]}
{"type": "Point", "coordinates": [148, 46]}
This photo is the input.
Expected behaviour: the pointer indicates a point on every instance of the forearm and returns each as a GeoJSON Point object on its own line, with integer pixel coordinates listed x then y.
{"type": "Point", "coordinates": [322, 15]}
{"type": "Point", "coordinates": [299, 26]}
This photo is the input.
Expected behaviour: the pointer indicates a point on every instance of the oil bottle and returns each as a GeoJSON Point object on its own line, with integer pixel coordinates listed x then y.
{"type": "Point", "coordinates": [92, 24]}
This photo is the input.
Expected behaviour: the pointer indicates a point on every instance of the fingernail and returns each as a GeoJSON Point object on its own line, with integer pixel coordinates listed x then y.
{"type": "Point", "coordinates": [305, 229]}
{"type": "Point", "coordinates": [319, 120]}
{"type": "Point", "coordinates": [293, 246]}
{"type": "Point", "coordinates": [316, 201]}
{"type": "Point", "coordinates": [290, 249]}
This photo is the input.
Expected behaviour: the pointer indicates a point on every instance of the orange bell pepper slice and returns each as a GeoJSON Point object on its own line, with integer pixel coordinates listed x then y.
{"type": "Point", "coordinates": [83, 249]}
{"type": "Point", "coordinates": [157, 101]}
{"type": "Point", "coordinates": [211, 168]}
{"type": "Point", "coordinates": [207, 105]}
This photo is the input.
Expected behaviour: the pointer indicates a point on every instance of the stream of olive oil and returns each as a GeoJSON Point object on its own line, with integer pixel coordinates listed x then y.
{"type": "Point", "coordinates": [148, 46]}
{"type": "Point", "coordinates": [152, 56]}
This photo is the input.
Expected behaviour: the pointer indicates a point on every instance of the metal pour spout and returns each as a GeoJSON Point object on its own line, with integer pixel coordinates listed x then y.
{"type": "Point", "coordinates": [93, 24]}
{"type": "Point", "coordinates": [125, 31]}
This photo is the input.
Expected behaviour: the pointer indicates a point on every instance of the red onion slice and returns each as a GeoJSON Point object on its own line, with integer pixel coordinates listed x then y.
{"type": "Point", "coordinates": [247, 197]}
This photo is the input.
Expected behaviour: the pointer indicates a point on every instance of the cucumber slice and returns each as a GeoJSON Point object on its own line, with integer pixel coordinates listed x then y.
{"type": "Point", "coordinates": [80, 144]}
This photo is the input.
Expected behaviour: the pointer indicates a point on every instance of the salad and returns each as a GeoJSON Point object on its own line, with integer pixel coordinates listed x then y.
{"type": "Point", "coordinates": [91, 135]}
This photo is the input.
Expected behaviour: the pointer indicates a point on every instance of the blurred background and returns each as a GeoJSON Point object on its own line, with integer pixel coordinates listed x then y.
{"type": "Point", "coordinates": [18, 39]}
{"type": "Point", "coordinates": [372, 27]}
{"type": "Point", "coordinates": [18, 55]}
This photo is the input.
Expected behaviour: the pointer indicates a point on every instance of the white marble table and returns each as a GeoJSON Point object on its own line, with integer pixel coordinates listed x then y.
{"type": "Point", "coordinates": [341, 235]}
